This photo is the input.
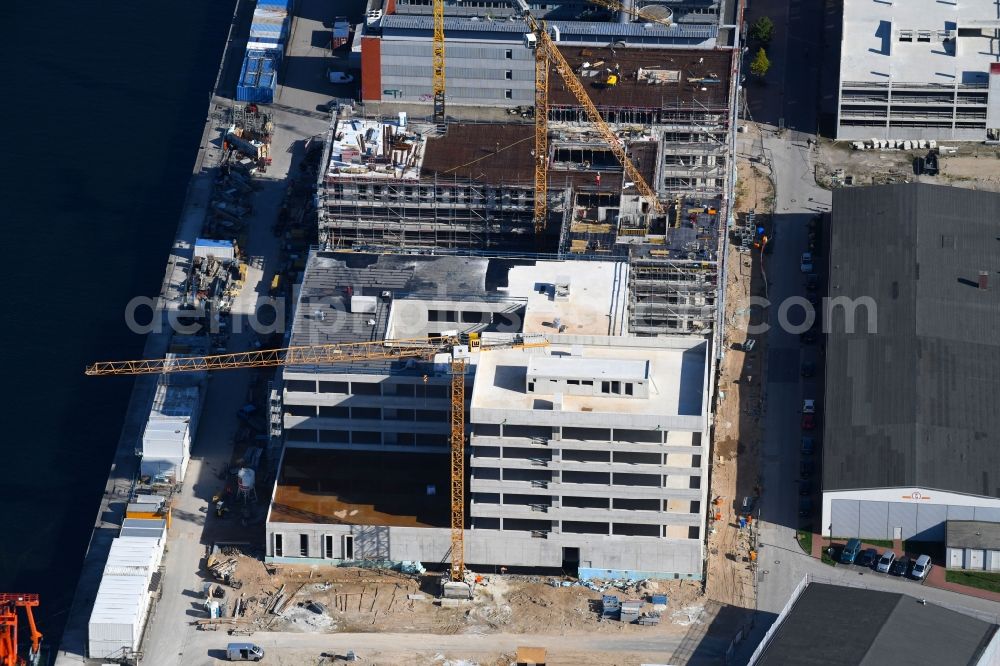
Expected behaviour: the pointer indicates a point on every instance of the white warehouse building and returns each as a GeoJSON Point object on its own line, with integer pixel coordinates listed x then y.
{"type": "Point", "coordinates": [919, 70]}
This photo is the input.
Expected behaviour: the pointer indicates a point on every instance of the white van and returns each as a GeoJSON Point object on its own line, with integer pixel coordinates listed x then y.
{"type": "Point", "coordinates": [921, 567]}
{"type": "Point", "coordinates": [244, 652]}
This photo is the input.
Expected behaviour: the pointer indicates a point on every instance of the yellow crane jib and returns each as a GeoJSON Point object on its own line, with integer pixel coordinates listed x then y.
{"type": "Point", "coordinates": [360, 351]}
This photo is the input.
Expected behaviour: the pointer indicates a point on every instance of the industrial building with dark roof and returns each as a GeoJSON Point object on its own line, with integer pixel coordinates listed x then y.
{"type": "Point", "coordinates": [834, 625]}
{"type": "Point", "coordinates": [911, 423]}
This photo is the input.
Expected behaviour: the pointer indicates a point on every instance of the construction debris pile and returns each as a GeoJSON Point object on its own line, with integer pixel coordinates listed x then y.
{"type": "Point", "coordinates": [376, 149]}
{"type": "Point", "coordinates": [244, 595]}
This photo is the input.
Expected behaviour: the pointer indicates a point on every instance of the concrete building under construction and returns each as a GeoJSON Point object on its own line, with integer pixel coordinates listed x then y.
{"type": "Point", "coordinates": [587, 455]}
{"type": "Point", "coordinates": [393, 182]}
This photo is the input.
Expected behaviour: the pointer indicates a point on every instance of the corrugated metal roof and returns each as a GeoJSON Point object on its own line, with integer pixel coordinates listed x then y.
{"type": "Point", "coordinates": [915, 403]}
{"type": "Point", "coordinates": [120, 600]}
{"type": "Point", "coordinates": [134, 552]}
{"type": "Point", "coordinates": [567, 29]}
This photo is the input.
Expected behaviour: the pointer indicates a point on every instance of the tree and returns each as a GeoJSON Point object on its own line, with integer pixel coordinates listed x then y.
{"type": "Point", "coordinates": [760, 64]}
{"type": "Point", "coordinates": [762, 30]}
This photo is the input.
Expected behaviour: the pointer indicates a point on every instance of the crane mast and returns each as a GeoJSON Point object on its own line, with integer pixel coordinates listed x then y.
{"type": "Point", "coordinates": [546, 50]}
{"type": "Point", "coordinates": [437, 83]}
{"type": "Point", "coordinates": [541, 139]}
{"type": "Point", "coordinates": [457, 572]}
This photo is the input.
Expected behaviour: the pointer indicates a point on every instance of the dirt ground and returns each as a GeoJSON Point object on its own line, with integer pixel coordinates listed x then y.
{"type": "Point", "coordinates": [974, 166]}
{"type": "Point", "coordinates": [738, 406]}
{"type": "Point", "coordinates": [353, 600]}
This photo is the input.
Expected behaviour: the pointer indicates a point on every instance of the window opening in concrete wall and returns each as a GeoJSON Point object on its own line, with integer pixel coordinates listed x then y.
{"type": "Point", "coordinates": [304, 545]}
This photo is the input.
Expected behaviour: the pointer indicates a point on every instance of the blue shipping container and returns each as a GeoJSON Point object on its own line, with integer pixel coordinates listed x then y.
{"type": "Point", "coordinates": [272, 33]}
{"type": "Point", "coordinates": [281, 4]}
{"type": "Point", "coordinates": [258, 78]}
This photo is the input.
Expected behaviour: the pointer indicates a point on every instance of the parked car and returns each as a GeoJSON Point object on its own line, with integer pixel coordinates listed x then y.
{"type": "Point", "coordinates": [812, 282]}
{"type": "Point", "coordinates": [805, 507]}
{"type": "Point", "coordinates": [808, 369]}
{"type": "Point", "coordinates": [805, 488]}
{"type": "Point", "coordinates": [867, 558]}
{"type": "Point", "coordinates": [808, 337]}
{"type": "Point", "coordinates": [808, 421]}
{"type": "Point", "coordinates": [885, 562]}
{"type": "Point", "coordinates": [805, 469]}
{"type": "Point", "coordinates": [244, 652]}
{"type": "Point", "coordinates": [922, 567]}
{"type": "Point", "coordinates": [813, 299]}
{"type": "Point", "coordinates": [338, 77]}
{"type": "Point", "coordinates": [900, 566]}
{"type": "Point", "coordinates": [851, 551]}
{"type": "Point", "coordinates": [808, 406]}
{"type": "Point", "coordinates": [808, 445]}
{"type": "Point", "coordinates": [806, 262]}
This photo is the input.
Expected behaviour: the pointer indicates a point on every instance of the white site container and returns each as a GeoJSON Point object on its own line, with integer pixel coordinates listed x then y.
{"type": "Point", "coordinates": [174, 400]}
{"type": "Point", "coordinates": [139, 556]}
{"type": "Point", "coordinates": [145, 528]}
{"type": "Point", "coordinates": [166, 448]}
{"type": "Point", "coordinates": [118, 617]}
{"type": "Point", "coordinates": [170, 469]}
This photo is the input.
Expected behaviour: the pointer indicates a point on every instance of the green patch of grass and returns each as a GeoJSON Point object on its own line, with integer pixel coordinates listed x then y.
{"type": "Point", "coordinates": [826, 559]}
{"type": "Point", "coordinates": [978, 579]}
{"type": "Point", "coordinates": [883, 543]}
{"type": "Point", "coordinates": [805, 539]}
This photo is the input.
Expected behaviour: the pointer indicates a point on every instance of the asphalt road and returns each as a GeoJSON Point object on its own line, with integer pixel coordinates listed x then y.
{"type": "Point", "coordinates": [789, 92]}
{"type": "Point", "coordinates": [294, 648]}
{"type": "Point", "coordinates": [782, 563]}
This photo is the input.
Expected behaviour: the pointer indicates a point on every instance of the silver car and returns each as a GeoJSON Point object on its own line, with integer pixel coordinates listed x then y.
{"type": "Point", "coordinates": [921, 567]}
{"type": "Point", "coordinates": [885, 562]}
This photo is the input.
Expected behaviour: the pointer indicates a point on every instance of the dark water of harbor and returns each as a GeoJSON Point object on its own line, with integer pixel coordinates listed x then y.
{"type": "Point", "coordinates": [102, 109]}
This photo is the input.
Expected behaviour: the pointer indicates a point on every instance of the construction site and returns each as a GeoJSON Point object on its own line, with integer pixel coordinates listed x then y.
{"type": "Point", "coordinates": [489, 412]}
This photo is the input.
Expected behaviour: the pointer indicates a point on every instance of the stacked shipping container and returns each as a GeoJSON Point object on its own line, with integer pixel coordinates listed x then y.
{"type": "Point", "coordinates": [170, 431]}
{"type": "Point", "coordinates": [268, 35]}
{"type": "Point", "coordinates": [127, 585]}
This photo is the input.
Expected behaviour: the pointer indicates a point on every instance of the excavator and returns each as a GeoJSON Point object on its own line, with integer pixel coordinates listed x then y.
{"type": "Point", "coordinates": [9, 603]}
{"type": "Point", "coordinates": [458, 350]}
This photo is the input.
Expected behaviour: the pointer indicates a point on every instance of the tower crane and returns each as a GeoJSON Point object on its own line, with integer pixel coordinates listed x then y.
{"type": "Point", "coordinates": [546, 50]}
{"type": "Point", "coordinates": [437, 64]}
{"type": "Point", "coordinates": [422, 348]}
{"type": "Point", "coordinates": [9, 603]}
